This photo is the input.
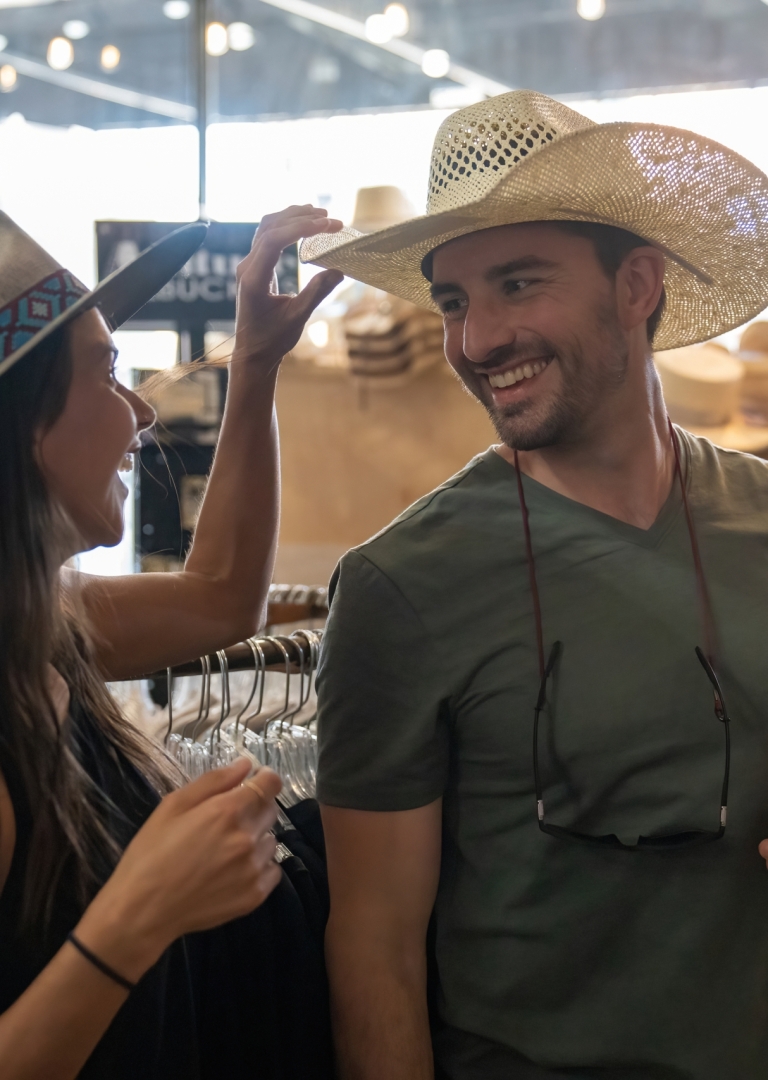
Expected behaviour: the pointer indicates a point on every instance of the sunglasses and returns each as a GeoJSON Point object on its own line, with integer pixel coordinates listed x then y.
{"type": "Point", "coordinates": [659, 842]}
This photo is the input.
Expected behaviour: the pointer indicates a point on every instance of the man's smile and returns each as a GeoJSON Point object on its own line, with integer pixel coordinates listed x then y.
{"type": "Point", "coordinates": [503, 379]}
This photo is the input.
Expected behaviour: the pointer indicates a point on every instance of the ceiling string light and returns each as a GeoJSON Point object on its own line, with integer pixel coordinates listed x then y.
{"type": "Point", "coordinates": [8, 78]}
{"type": "Point", "coordinates": [76, 29]}
{"type": "Point", "coordinates": [399, 20]}
{"type": "Point", "coordinates": [110, 57]}
{"type": "Point", "coordinates": [324, 70]}
{"type": "Point", "coordinates": [392, 22]}
{"type": "Point", "coordinates": [216, 39]}
{"type": "Point", "coordinates": [240, 36]}
{"type": "Point", "coordinates": [60, 54]}
{"type": "Point", "coordinates": [590, 9]}
{"type": "Point", "coordinates": [176, 9]}
{"type": "Point", "coordinates": [436, 63]}
{"type": "Point", "coordinates": [377, 29]}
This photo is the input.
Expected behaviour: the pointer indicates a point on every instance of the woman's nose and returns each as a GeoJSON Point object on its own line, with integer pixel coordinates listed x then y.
{"type": "Point", "coordinates": [143, 411]}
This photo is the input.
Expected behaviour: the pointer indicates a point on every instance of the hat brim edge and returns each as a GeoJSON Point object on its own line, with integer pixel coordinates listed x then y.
{"type": "Point", "coordinates": [410, 235]}
{"type": "Point", "coordinates": [170, 253]}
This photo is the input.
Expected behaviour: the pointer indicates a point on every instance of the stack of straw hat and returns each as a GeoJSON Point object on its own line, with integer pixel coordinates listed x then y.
{"type": "Point", "coordinates": [389, 340]}
{"type": "Point", "coordinates": [753, 352]}
{"type": "Point", "coordinates": [703, 387]}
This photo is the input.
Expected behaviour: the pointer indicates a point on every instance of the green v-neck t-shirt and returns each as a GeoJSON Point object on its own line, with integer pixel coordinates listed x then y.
{"type": "Point", "coordinates": [572, 955]}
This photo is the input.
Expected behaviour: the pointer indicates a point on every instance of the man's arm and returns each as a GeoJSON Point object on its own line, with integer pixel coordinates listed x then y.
{"type": "Point", "coordinates": [383, 869]}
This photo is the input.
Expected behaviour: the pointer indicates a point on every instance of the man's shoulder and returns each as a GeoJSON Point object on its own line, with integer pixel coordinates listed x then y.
{"type": "Point", "coordinates": [437, 532]}
{"type": "Point", "coordinates": [731, 477]}
{"type": "Point", "coordinates": [452, 504]}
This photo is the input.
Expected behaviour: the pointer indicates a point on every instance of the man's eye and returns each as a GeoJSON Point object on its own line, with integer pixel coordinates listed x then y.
{"type": "Point", "coordinates": [517, 284]}
{"type": "Point", "coordinates": [452, 307]}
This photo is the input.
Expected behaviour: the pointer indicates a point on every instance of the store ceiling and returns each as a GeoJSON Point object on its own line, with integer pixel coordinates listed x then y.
{"type": "Point", "coordinates": [298, 66]}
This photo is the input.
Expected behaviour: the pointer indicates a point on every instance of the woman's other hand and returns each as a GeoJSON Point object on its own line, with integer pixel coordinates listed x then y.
{"type": "Point", "coordinates": [269, 324]}
{"type": "Point", "coordinates": [204, 856]}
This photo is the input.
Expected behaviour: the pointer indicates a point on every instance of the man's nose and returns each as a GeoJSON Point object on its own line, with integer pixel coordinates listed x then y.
{"type": "Point", "coordinates": [487, 327]}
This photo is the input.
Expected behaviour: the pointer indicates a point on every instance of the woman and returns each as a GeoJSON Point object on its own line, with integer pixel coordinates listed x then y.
{"type": "Point", "coordinates": [95, 842]}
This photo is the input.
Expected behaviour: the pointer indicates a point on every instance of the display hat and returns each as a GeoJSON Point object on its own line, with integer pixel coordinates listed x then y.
{"type": "Point", "coordinates": [703, 391]}
{"type": "Point", "coordinates": [523, 157]}
{"type": "Point", "coordinates": [37, 295]}
{"type": "Point", "coordinates": [379, 207]}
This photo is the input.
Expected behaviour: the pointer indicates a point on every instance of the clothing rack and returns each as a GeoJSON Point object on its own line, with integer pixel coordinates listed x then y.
{"type": "Point", "coordinates": [240, 658]}
{"type": "Point", "coordinates": [296, 604]}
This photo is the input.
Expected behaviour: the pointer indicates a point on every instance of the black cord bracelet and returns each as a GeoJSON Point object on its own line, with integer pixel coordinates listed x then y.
{"type": "Point", "coordinates": [105, 969]}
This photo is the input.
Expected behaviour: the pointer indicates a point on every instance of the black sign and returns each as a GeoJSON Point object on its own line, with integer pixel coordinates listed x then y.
{"type": "Point", "coordinates": [204, 290]}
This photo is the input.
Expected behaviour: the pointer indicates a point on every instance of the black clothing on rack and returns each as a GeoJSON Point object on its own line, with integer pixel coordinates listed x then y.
{"type": "Point", "coordinates": [305, 818]}
{"type": "Point", "coordinates": [248, 998]}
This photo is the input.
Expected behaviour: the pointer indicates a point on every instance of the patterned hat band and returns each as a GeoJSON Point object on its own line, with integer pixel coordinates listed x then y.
{"type": "Point", "coordinates": [30, 312]}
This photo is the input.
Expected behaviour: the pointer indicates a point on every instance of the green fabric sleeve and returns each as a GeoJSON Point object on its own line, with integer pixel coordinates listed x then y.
{"type": "Point", "coordinates": [382, 726]}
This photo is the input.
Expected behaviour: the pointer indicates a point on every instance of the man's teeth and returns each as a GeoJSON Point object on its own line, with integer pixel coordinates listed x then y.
{"type": "Point", "coordinates": [126, 465]}
{"type": "Point", "coordinates": [524, 371]}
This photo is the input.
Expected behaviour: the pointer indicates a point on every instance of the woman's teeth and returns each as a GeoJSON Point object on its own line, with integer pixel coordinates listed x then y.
{"type": "Point", "coordinates": [126, 465]}
{"type": "Point", "coordinates": [524, 371]}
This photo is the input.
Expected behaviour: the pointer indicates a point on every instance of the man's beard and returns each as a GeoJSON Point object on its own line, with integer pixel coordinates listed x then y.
{"type": "Point", "coordinates": [532, 425]}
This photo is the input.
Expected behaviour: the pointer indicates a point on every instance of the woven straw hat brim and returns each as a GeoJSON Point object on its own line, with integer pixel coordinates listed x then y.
{"type": "Point", "coordinates": [127, 289]}
{"type": "Point", "coordinates": [703, 205]}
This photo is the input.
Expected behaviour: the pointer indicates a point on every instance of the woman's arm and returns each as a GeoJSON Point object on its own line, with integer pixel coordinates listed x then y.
{"type": "Point", "coordinates": [204, 857]}
{"type": "Point", "coordinates": [148, 621]}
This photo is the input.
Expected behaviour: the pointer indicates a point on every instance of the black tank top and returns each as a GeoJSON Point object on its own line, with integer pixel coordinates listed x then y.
{"type": "Point", "coordinates": [154, 1033]}
{"type": "Point", "coordinates": [246, 1001]}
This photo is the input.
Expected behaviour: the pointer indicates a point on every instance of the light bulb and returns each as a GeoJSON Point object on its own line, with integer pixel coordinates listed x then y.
{"type": "Point", "coordinates": [8, 78]}
{"type": "Point", "coordinates": [436, 63]}
{"type": "Point", "coordinates": [3, 43]}
{"type": "Point", "coordinates": [318, 333]}
{"type": "Point", "coordinates": [591, 9]}
{"type": "Point", "coordinates": [76, 29]}
{"type": "Point", "coordinates": [377, 29]}
{"type": "Point", "coordinates": [240, 36]}
{"type": "Point", "coordinates": [216, 39]}
{"type": "Point", "coordinates": [110, 57]}
{"type": "Point", "coordinates": [399, 20]}
{"type": "Point", "coordinates": [176, 9]}
{"type": "Point", "coordinates": [324, 70]}
{"type": "Point", "coordinates": [60, 53]}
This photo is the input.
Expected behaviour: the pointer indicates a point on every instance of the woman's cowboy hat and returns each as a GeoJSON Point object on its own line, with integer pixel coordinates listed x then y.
{"type": "Point", "coordinates": [522, 156]}
{"type": "Point", "coordinates": [37, 295]}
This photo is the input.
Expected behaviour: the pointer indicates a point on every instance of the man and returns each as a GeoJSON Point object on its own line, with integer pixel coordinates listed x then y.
{"type": "Point", "coordinates": [597, 913]}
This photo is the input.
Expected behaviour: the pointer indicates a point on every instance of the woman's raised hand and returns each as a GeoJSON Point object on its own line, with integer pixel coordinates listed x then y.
{"type": "Point", "coordinates": [204, 856]}
{"type": "Point", "coordinates": [269, 324]}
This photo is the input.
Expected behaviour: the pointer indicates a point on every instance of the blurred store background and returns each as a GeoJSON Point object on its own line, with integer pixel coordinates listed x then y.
{"type": "Point", "coordinates": [335, 104]}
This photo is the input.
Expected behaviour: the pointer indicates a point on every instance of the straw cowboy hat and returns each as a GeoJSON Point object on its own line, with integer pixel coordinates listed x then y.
{"type": "Point", "coordinates": [522, 156]}
{"type": "Point", "coordinates": [37, 295]}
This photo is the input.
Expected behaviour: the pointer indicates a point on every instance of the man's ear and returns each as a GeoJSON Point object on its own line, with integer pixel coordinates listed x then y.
{"type": "Point", "coordinates": [639, 281]}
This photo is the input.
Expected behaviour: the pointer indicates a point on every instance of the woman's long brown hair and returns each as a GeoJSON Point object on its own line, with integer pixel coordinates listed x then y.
{"type": "Point", "coordinates": [69, 829]}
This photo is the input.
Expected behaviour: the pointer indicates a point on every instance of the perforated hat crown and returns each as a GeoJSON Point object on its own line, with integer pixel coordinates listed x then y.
{"type": "Point", "coordinates": [475, 147]}
{"type": "Point", "coordinates": [523, 157]}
